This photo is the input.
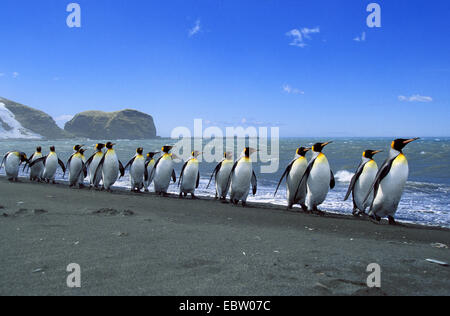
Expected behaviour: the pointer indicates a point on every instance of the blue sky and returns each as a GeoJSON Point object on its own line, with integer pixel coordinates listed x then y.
{"type": "Point", "coordinates": [230, 62]}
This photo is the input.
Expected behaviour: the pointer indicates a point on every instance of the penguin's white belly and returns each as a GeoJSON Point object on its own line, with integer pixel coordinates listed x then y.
{"type": "Point", "coordinates": [110, 170]}
{"type": "Point", "coordinates": [189, 180]}
{"type": "Point", "coordinates": [150, 167]}
{"type": "Point", "coordinates": [293, 180]}
{"type": "Point", "coordinates": [75, 169]}
{"type": "Point", "coordinates": [318, 184]}
{"type": "Point", "coordinates": [391, 189]}
{"type": "Point", "coordinates": [163, 174]}
{"type": "Point", "coordinates": [222, 179]}
{"type": "Point", "coordinates": [92, 168]}
{"type": "Point", "coordinates": [137, 172]}
{"type": "Point", "coordinates": [12, 165]}
{"type": "Point", "coordinates": [241, 179]}
{"type": "Point", "coordinates": [51, 164]}
{"type": "Point", "coordinates": [363, 185]}
{"type": "Point", "coordinates": [37, 170]}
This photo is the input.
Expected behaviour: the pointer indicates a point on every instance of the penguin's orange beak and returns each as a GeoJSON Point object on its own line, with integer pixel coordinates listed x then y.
{"type": "Point", "coordinates": [410, 140]}
{"type": "Point", "coordinates": [377, 152]}
{"type": "Point", "coordinates": [327, 143]}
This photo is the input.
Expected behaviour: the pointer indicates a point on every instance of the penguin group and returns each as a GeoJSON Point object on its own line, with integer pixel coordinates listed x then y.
{"type": "Point", "coordinates": [376, 192]}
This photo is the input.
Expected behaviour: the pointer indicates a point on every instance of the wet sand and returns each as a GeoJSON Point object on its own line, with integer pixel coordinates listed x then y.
{"type": "Point", "coordinates": [142, 244]}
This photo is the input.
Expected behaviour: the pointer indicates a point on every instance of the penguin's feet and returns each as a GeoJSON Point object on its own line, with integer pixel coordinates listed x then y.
{"type": "Point", "coordinates": [181, 195]}
{"type": "Point", "coordinates": [374, 219]}
{"type": "Point", "coordinates": [165, 194]}
{"type": "Point", "coordinates": [11, 179]}
{"type": "Point", "coordinates": [393, 222]}
{"type": "Point", "coordinates": [193, 196]}
{"type": "Point", "coordinates": [146, 190]}
{"type": "Point", "coordinates": [244, 204]}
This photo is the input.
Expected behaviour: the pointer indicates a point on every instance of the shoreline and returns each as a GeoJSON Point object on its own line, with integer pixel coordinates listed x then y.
{"type": "Point", "coordinates": [129, 243]}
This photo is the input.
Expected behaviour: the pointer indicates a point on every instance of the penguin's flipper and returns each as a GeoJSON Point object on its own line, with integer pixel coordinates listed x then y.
{"type": "Point", "coordinates": [4, 158]}
{"type": "Point", "coordinates": [69, 161]}
{"type": "Point", "coordinates": [38, 160]}
{"type": "Point", "coordinates": [61, 164]}
{"type": "Point", "coordinates": [382, 173]}
{"type": "Point", "coordinates": [285, 174]}
{"type": "Point", "coordinates": [305, 177]}
{"type": "Point", "coordinates": [121, 169]}
{"type": "Point", "coordinates": [182, 172]}
{"type": "Point", "coordinates": [232, 172]}
{"type": "Point", "coordinates": [99, 167]}
{"type": "Point", "coordinates": [174, 176]}
{"type": "Point", "coordinates": [332, 180]}
{"type": "Point", "coordinates": [89, 161]}
{"type": "Point", "coordinates": [354, 180]}
{"type": "Point", "coordinates": [130, 163]}
{"type": "Point", "coordinates": [254, 183]}
{"type": "Point", "coordinates": [198, 180]}
{"type": "Point", "coordinates": [154, 168]}
{"type": "Point", "coordinates": [29, 161]}
{"type": "Point", "coordinates": [214, 173]}
{"type": "Point", "coordinates": [84, 168]}
{"type": "Point", "coordinates": [145, 173]}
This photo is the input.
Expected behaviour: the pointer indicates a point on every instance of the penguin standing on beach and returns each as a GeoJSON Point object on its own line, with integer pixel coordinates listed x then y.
{"type": "Point", "coordinates": [221, 174]}
{"type": "Point", "coordinates": [294, 173]}
{"type": "Point", "coordinates": [77, 168]}
{"type": "Point", "coordinates": [190, 176]}
{"type": "Point", "coordinates": [92, 164]}
{"type": "Point", "coordinates": [317, 180]}
{"type": "Point", "coordinates": [362, 182]}
{"type": "Point", "coordinates": [389, 183]}
{"type": "Point", "coordinates": [138, 171]}
{"type": "Point", "coordinates": [51, 162]}
{"type": "Point", "coordinates": [164, 171]}
{"type": "Point", "coordinates": [109, 167]}
{"type": "Point", "coordinates": [241, 176]}
{"type": "Point", "coordinates": [149, 164]}
{"type": "Point", "coordinates": [12, 162]}
{"type": "Point", "coordinates": [38, 169]}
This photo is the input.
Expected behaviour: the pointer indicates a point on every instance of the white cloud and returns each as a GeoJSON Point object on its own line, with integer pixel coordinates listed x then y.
{"type": "Point", "coordinates": [195, 29]}
{"type": "Point", "coordinates": [299, 36]}
{"type": "Point", "coordinates": [415, 98]}
{"type": "Point", "coordinates": [361, 38]}
{"type": "Point", "coordinates": [15, 74]}
{"type": "Point", "coordinates": [63, 119]}
{"type": "Point", "coordinates": [290, 90]}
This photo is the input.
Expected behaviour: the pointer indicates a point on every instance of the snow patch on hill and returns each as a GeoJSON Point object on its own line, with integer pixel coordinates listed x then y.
{"type": "Point", "coordinates": [10, 128]}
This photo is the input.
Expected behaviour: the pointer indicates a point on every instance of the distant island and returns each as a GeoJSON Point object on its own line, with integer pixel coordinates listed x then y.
{"type": "Point", "coordinates": [18, 121]}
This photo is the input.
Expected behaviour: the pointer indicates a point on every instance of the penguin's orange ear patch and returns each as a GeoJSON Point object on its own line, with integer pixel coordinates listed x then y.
{"type": "Point", "coordinates": [392, 145]}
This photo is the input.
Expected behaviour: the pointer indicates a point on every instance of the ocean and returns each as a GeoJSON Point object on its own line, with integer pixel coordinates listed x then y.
{"type": "Point", "coordinates": [426, 199]}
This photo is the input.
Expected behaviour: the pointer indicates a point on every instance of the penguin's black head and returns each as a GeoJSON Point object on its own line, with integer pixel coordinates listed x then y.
{"type": "Point", "coordinates": [77, 147]}
{"type": "Point", "coordinates": [166, 149]}
{"type": "Point", "coordinates": [39, 149]}
{"type": "Point", "coordinates": [109, 145]}
{"type": "Point", "coordinates": [302, 151]}
{"type": "Point", "coordinates": [151, 155]}
{"type": "Point", "coordinates": [52, 149]}
{"type": "Point", "coordinates": [318, 147]}
{"type": "Point", "coordinates": [99, 146]}
{"type": "Point", "coordinates": [228, 155]}
{"type": "Point", "coordinates": [23, 157]}
{"type": "Point", "coordinates": [140, 150]}
{"type": "Point", "coordinates": [370, 153]}
{"type": "Point", "coordinates": [400, 143]}
{"type": "Point", "coordinates": [248, 151]}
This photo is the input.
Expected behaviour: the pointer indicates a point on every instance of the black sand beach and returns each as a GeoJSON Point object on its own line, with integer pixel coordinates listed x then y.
{"type": "Point", "coordinates": [141, 244]}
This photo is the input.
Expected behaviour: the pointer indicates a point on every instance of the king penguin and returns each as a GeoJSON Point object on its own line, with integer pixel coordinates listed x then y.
{"type": "Point", "coordinates": [12, 161]}
{"type": "Point", "coordinates": [149, 164]}
{"type": "Point", "coordinates": [138, 171]}
{"type": "Point", "coordinates": [362, 181]}
{"type": "Point", "coordinates": [37, 170]}
{"type": "Point", "coordinates": [221, 174]}
{"type": "Point", "coordinates": [389, 183]}
{"type": "Point", "coordinates": [92, 164]}
{"type": "Point", "coordinates": [294, 173]}
{"type": "Point", "coordinates": [109, 166]}
{"type": "Point", "coordinates": [76, 166]}
{"type": "Point", "coordinates": [51, 162]}
{"type": "Point", "coordinates": [164, 171]}
{"type": "Point", "coordinates": [317, 180]}
{"type": "Point", "coordinates": [241, 176]}
{"type": "Point", "coordinates": [190, 176]}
